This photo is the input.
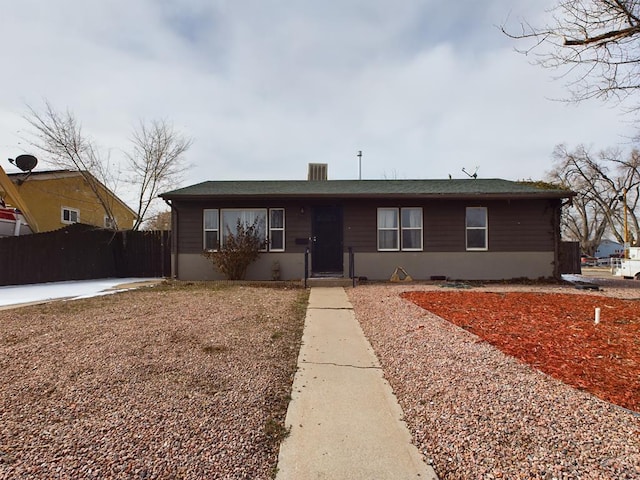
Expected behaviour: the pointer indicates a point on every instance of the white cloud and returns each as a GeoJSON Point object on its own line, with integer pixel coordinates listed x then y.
{"type": "Point", "coordinates": [423, 88]}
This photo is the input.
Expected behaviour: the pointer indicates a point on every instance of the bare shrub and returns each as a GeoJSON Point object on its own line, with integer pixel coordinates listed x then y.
{"type": "Point", "coordinates": [238, 250]}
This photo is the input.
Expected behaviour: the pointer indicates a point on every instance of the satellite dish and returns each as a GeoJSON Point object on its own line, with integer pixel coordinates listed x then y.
{"type": "Point", "coordinates": [25, 162]}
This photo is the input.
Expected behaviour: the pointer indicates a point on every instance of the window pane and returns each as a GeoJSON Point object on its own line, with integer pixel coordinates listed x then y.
{"type": "Point", "coordinates": [211, 240]}
{"type": "Point", "coordinates": [411, 217]}
{"type": "Point", "coordinates": [476, 217]}
{"type": "Point", "coordinates": [70, 216]}
{"type": "Point", "coordinates": [476, 238]}
{"type": "Point", "coordinates": [411, 239]}
{"type": "Point", "coordinates": [387, 240]}
{"type": "Point", "coordinates": [211, 219]}
{"type": "Point", "coordinates": [387, 218]}
{"type": "Point", "coordinates": [277, 239]}
{"type": "Point", "coordinates": [277, 218]}
{"type": "Point", "coordinates": [247, 218]}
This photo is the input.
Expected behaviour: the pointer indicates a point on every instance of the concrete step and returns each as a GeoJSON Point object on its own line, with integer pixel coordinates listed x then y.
{"type": "Point", "coordinates": [329, 282]}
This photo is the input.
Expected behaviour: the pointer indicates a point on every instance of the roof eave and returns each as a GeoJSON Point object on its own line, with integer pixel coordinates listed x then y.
{"type": "Point", "coordinates": [365, 196]}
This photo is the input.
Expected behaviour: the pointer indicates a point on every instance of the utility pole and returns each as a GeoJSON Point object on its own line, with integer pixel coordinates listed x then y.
{"type": "Point", "coordinates": [626, 224]}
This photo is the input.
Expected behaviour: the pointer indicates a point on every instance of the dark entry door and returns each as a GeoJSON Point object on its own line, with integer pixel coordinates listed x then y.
{"type": "Point", "coordinates": [326, 246]}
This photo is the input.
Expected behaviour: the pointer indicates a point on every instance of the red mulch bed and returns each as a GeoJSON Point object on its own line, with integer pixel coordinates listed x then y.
{"type": "Point", "coordinates": [556, 334]}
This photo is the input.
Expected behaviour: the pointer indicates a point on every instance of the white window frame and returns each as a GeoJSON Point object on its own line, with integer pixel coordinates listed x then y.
{"type": "Point", "coordinates": [70, 210]}
{"type": "Point", "coordinates": [277, 229]}
{"type": "Point", "coordinates": [403, 229]}
{"type": "Point", "coordinates": [475, 228]}
{"type": "Point", "coordinates": [216, 214]}
{"type": "Point", "coordinates": [399, 228]}
{"type": "Point", "coordinates": [221, 225]}
{"type": "Point", "coordinates": [388, 229]}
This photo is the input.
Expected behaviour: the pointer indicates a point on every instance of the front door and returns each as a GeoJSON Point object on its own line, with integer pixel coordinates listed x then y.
{"type": "Point", "coordinates": [326, 246]}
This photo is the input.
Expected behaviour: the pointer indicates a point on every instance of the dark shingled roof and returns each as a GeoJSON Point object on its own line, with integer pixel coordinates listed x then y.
{"type": "Point", "coordinates": [491, 188]}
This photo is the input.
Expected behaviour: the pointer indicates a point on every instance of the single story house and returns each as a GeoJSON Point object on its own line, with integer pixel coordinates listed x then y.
{"type": "Point", "coordinates": [472, 229]}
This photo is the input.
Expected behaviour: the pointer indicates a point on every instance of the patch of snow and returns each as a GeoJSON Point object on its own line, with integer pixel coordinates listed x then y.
{"type": "Point", "coordinates": [42, 292]}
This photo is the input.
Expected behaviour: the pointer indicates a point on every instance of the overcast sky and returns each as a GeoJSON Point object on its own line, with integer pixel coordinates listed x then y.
{"type": "Point", "coordinates": [264, 87]}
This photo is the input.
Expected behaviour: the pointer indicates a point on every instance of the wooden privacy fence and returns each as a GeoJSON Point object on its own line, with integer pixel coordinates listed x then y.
{"type": "Point", "coordinates": [570, 257]}
{"type": "Point", "coordinates": [83, 252]}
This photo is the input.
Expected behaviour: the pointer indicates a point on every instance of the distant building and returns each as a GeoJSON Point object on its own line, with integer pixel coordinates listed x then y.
{"type": "Point", "coordinates": [608, 248]}
{"type": "Point", "coordinates": [58, 198]}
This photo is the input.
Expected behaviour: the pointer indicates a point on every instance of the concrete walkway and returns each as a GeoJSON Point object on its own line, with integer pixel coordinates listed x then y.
{"type": "Point", "coordinates": [345, 421]}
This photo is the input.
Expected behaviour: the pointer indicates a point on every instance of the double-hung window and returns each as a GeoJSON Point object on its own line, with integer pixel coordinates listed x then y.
{"type": "Point", "coordinates": [400, 229]}
{"type": "Point", "coordinates": [388, 237]}
{"type": "Point", "coordinates": [276, 229]}
{"type": "Point", "coordinates": [411, 228]}
{"type": "Point", "coordinates": [477, 228]}
{"type": "Point", "coordinates": [211, 229]}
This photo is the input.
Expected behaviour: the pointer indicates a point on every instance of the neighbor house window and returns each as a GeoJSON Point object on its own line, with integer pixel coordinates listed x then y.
{"type": "Point", "coordinates": [70, 215]}
{"type": "Point", "coordinates": [109, 222]}
{"type": "Point", "coordinates": [247, 217]}
{"type": "Point", "coordinates": [388, 232]}
{"type": "Point", "coordinates": [411, 228]}
{"type": "Point", "coordinates": [211, 229]}
{"type": "Point", "coordinates": [477, 230]}
{"type": "Point", "coordinates": [276, 229]}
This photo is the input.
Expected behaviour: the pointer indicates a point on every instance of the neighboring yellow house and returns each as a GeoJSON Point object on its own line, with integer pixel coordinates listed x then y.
{"type": "Point", "coordinates": [58, 198]}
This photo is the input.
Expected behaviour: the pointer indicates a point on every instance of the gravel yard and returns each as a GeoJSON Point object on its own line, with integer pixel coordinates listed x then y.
{"type": "Point", "coordinates": [192, 381]}
{"type": "Point", "coordinates": [177, 381]}
{"type": "Point", "coordinates": [477, 413]}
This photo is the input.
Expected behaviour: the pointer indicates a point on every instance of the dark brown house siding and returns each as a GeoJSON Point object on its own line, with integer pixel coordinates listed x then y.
{"type": "Point", "coordinates": [360, 219]}
{"type": "Point", "coordinates": [297, 227]}
{"type": "Point", "coordinates": [190, 222]}
{"type": "Point", "coordinates": [514, 225]}
{"type": "Point", "coordinates": [522, 226]}
{"type": "Point", "coordinates": [189, 227]}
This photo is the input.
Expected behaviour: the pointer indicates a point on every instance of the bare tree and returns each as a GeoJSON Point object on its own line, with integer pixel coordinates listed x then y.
{"type": "Point", "coordinates": [601, 181]}
{"type": "Point", "coordinates": [596, 39]}
{"type": "Point", "coordinates": [159, 221]}
{"type": "Point", "coordinates": [156, 161]}
{"type": "Point", "coordinates": [625, 220]}
{"type": "Point", "coordinates": [60, 136]}
{"type": "Point", "coordinates": [584, 221]}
